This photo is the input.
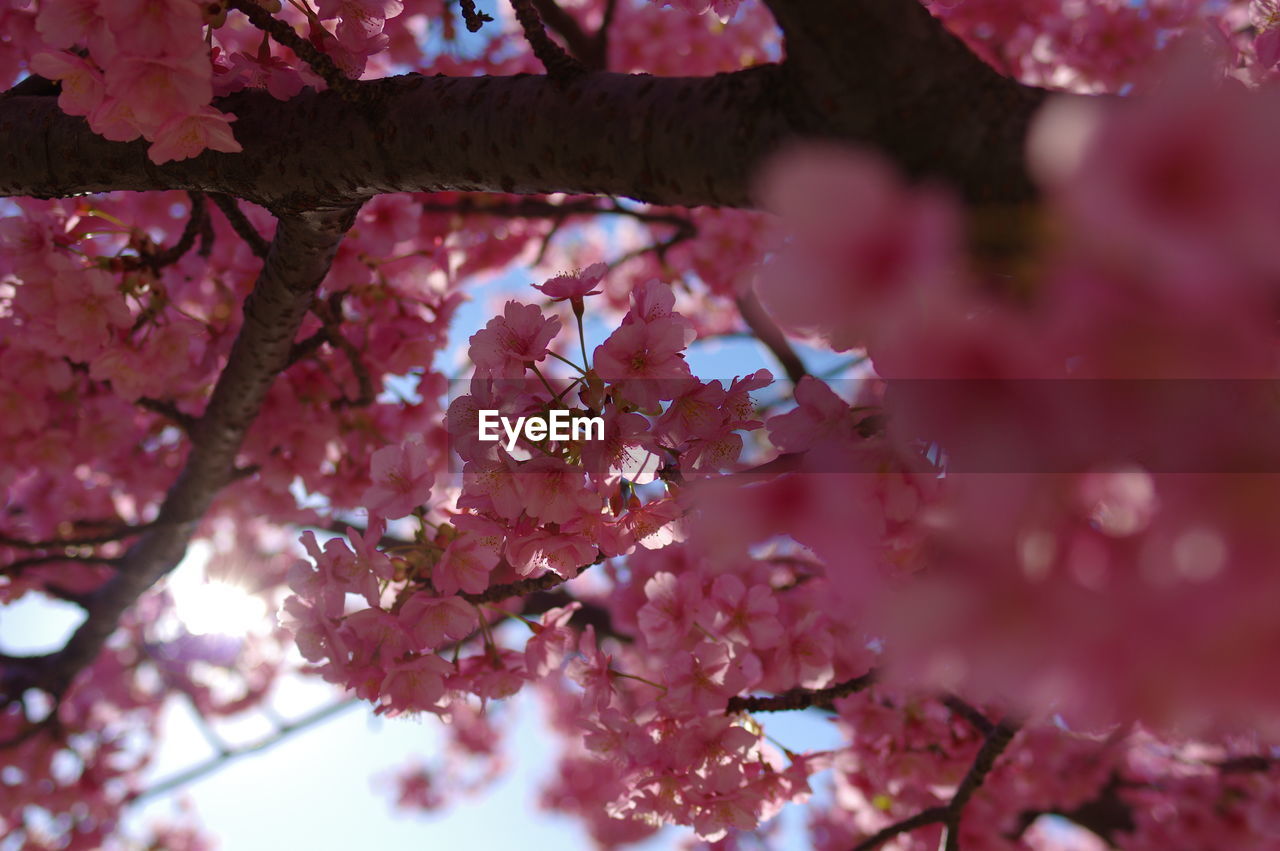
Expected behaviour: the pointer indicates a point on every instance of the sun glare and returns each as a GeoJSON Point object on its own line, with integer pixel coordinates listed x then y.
{"type": "Point", "coordinates": [212, 606]}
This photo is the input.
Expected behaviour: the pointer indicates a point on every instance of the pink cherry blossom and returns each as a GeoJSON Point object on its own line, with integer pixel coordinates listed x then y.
{"type": "Point", "coordinates": [186, 136]}
{"type": "Point", "coordinates": [82, 85]}
{"type": "Point", "coordinates": [402, 480]}
{"type": "Point", "coordinates": [643, 361]}
{"type": "Point", "coordinates": [575, 286]}
{"type": "Point", "coordinates": [508, 343]}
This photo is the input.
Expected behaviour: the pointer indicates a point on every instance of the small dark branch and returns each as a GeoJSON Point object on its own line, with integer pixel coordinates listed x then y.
{"type": "Point", "coordinates": [305, 348]}
{"type": "Point", "coordinates": [587, 49]}
{"type": "Point", "coordinates": [168, 410]}
{"type": "Point", "coordinates": [768, 333]}
{"type": "Point", "coordinates": [86, 541]}
{"type": "Point", "coordinates": [588, 614]}
{"type": "Point", "coordinates": [559, 64]}
{"type": "Point", "coordinates": [1256, 764]}
{"type": "Point", "coordinates": [330, 313]}
{"type": "Point", "coordinates": [196, 223]}
{"type": "Point", "coordinates": [284, 34]}
{"type": "Point", "coordinates": [240, 224]}
{"type": "Point", "coordinates": [801, 698]}
{"type": "Point", "coordinates": [976, 719]}
{"type": "Point", "coordinates": [522, 587]}
{"type": "Point", "coordinates": [367, 393]}
{"type": "Point", "coordinates": [602, 35]}
{"type": "Point", "coordinates": [997, 739]}
{"type": "Point", "coordinates": [15, 567]}
{"type": "Point", "coordinates": [659, 248]}
{"type": "Point", "coordinates": [206, 236]}
{"type": "Point", "coordinates": [1105, 815]}
{"type": "Point", "coordinates": [996, 742]}
{"type": "Point", "coordinates": [473, 18]}
{"type": "Point", "coordinates": [924, 818]}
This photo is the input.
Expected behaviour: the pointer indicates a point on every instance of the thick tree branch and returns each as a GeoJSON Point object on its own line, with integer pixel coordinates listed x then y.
{"type": "Point", "coordinates": [680, 141]}
{"type": "Point", "coordinates": [889, 74]}
{"type": "Point", "coordinates": [300, 256]}
{"type": "Point", "coordinates": [882, 73]}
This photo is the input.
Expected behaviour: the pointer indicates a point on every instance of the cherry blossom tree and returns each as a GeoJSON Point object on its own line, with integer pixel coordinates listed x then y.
{"type": "Point", "coordinates": [1018, 543]}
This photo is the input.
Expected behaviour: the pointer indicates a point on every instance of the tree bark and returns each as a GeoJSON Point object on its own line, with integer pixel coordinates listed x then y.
{"type": "Point", "coordinates": [882, 74]}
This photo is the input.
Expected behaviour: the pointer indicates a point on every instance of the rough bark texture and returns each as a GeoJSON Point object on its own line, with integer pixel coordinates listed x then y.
{"type": "Point", "coordinates": [881, 73]}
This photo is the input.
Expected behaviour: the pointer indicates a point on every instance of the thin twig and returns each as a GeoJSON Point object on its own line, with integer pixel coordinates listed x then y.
{"type": "Point", "coordinates": [587, 49]}
{"type": "Point", "coordinates": [365, 383]}
{"type": "Point", "coordinates": [196, 222]}
{"type": "Point", "coordinates": [996, 741]}
{"type": "Point", "coordinates": [285, 35]}
{"type": "Point", "coordinates": [521, 587]}
{"type": "Point", "coordinates": [87, 541]}
{"type": "Point", "coordinates": [168, 410]}
{"type": "Point", "coordinates": [976, 719]}
{"type": "Point", "coordinates": [15, 567]}
{"type": "Point", "coordinates": [768, 333]}
{"type": "Point", "coordinates": [924, 818]}
{"type": "Point", "coordinates": [559, 64]}
{"type": "Point", "coordinates": [241, 225]}
{"type": "Point", "coordinates": [801, 698]}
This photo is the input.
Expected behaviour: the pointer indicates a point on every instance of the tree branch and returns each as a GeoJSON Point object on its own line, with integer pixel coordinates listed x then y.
{"type": "Point", "coordinates": [924, 818]}
{"type": "Point", "coordinates": [521, 587]}
{"type": "Point", "coordinates": [559, 64]}
{"type": "Point", "coordinates": [301, 254]}
{"type": "Point", "coordinates": [15, 567]}
{"type": "Point", "coordinates": [589, 50]}
{"type": "Point", "coordinates": [883, 74]}
{"type": "Point", "coordinates": [994, 744]}
{"type": "Point", "coordinates": [890, 75]}
{"type": "Point", "coordinates": [86, 541]}
{"type": "Point", "coordinates": [241, 225]}
{"type": "Point", "coordinates": [285, 35]}
{"type": "Point", "coordinates": [801, 698]}
{"type": "Point", "coordinates": [771, 336]}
